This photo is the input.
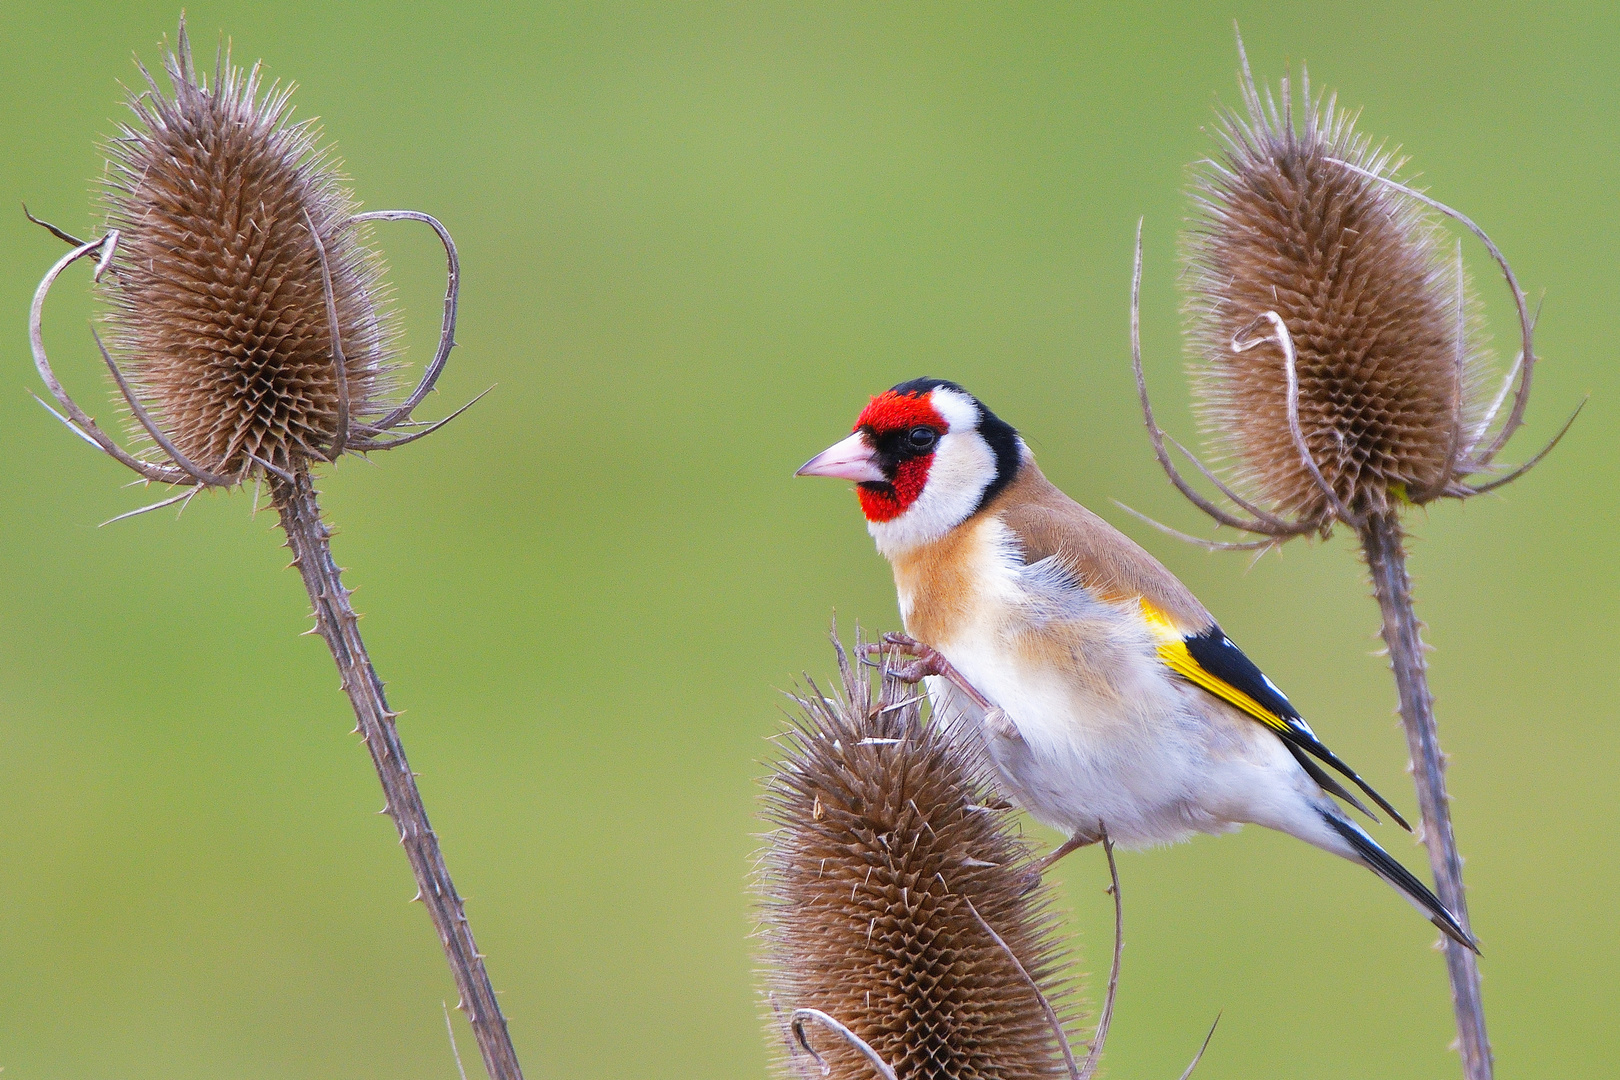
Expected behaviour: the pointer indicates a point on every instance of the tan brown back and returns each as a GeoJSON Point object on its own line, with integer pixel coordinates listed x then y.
{"type": "Point", "coordinates": [1111, 564]}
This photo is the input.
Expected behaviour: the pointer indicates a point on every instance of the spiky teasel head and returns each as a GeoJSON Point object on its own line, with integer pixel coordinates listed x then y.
{"type": "Point", "coordinates": [230, 222]}
{"type": "Point", "coordinates": [1337, 347]}
{"type": "Point", "coordinates": [1384, 333]}
{"type": "Point", "coordinates": [885, 843]}
{"type": "Point", "coordinates": [247, 326]}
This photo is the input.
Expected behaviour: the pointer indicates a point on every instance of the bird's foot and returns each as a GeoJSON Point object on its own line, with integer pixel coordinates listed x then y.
{"type": "Point", "coordinates": [1074, 843]}
{"type": "Point", "coordinates": [929, 661]}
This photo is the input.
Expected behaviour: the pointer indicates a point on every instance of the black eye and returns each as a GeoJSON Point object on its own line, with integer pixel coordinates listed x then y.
{"type": "Point", "coordinates": [922, 438]}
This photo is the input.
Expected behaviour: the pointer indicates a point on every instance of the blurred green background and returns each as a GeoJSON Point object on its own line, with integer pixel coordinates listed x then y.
{"type": "Point", "coordinates": [696, 237]}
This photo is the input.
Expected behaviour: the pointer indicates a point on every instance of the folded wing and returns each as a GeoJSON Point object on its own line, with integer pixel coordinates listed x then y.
{"type": "Point", "coordinates": [1065, 545]}
{"type": "Point", "coordinates": [1210, 660]}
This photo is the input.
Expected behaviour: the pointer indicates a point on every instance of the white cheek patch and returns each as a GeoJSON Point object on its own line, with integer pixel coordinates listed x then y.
{"type": "Point", "coordinates": [963, 467]}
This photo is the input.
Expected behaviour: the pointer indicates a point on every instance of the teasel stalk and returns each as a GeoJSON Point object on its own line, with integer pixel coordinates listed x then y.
{"type": "Point", "coordinates": [249, 338]}
{"type": "Point", "coordinates": [1338, 363]}
{"type": "Point", "coordinates": [902, 937]}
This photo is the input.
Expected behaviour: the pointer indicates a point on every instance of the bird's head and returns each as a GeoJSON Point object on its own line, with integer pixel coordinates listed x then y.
{"type": "Point", "coordinates": [925, 456]}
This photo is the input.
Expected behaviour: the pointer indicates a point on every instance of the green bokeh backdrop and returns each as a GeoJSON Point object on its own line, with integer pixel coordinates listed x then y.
{"type": "Point", "coordinates": [695, 238]}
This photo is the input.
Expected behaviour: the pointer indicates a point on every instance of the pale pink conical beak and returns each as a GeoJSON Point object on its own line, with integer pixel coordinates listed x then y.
{"type": "Point", "coordinates": [851, 459]}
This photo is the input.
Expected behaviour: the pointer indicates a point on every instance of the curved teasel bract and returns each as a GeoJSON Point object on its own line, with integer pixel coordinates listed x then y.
{"type": "Point", "coordinates": [247, 331]}
{"type": "Point", "coordinates": [1337, 353]}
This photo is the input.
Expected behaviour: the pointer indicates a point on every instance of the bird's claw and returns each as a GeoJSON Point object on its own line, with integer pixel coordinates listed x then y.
{"type": "Point", "coordinates": [1033, 879]}
{"type": "Point", "coordinates": [929, 661]}
{"type": "Point", "coordinates": [897, 643]}
{"type": "Point", "coordinates": [919, 669]}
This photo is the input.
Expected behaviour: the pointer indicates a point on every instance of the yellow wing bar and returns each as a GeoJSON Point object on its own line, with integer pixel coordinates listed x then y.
{"type": "Point", "coordinates": [1176, 650]}
{"type": "Point", "coordinates": [1172, 648]}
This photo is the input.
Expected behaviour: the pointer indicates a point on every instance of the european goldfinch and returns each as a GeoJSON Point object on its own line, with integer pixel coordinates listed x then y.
{"type": "Point", "coordinates": [1108, 698]}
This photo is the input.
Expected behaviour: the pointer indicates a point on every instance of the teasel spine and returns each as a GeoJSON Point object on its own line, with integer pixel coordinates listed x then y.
{"type": "Point", "coordinates": [1267, 140]}
{"type": "Point", "coordinates": [292, 487]}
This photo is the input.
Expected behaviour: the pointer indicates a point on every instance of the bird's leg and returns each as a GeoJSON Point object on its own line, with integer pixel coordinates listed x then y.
{"type": "Point", "coordinates": [1074, 843]}
{"type": "Point", "coordinates": [929, 661]}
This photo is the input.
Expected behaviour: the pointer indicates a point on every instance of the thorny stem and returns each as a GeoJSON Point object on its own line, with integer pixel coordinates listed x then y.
{"type": "Point", "coordinates": [310, 542]}
{"type": "Point", "coordinates": [1106, 1020]}
{"type": "Point", "coordinates": [1381, 543]}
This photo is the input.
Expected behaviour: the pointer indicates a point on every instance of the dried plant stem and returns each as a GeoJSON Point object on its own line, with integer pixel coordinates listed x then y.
{"type": "Point", "coordinates": [310, 542]}
{"type": "Point", "coordinates": [1106, 1020]}
{"type": "Point", "coordinates": [1382, 544]}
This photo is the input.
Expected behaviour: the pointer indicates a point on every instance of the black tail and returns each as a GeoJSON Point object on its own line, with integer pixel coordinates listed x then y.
{"type": "Point", "coordinates": [1384, 865]}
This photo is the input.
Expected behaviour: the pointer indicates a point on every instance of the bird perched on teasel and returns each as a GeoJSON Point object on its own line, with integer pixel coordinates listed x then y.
{"type": "Point", "coordinates": [894, 902]}
{"type": "Point", "coordinates": [1107, 696]}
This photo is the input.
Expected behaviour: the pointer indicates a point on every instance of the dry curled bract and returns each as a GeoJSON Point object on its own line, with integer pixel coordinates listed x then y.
{"type": "Point", "coordinates": [1337, 351]}
{"type": "Point", "coordinates": [883, 847]}
{"type": "Point", "coordinates": [241, 293]}
{"type": "Point", "coordinates": [225, 213]}
{"type": "Point", "coordinates": [1384, 332]}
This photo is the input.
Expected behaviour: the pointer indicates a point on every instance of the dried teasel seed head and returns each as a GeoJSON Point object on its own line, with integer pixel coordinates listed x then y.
{"type": "Point", "coordinates": [1382, 322]}
{"type": "Point", "coordinates": [218, 301]}
{"type": "Point", "coordinates": [884, 835]}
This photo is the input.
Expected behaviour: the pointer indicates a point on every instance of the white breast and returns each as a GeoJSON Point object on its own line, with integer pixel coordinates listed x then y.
{"type": "Point", "coordinates": [1103, 732]}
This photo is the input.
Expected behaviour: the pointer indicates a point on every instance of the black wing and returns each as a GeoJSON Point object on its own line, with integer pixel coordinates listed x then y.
{"type": "Point", "coordinates": [1212, 661]}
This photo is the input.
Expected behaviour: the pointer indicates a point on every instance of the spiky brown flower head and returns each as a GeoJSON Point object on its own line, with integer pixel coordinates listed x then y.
{"type": "Point", "coordinates": [1384, 329]}
{"type": "Point", "coordinates": [223, 207]}
{"type": "Point", "coordinates": [886, 837]}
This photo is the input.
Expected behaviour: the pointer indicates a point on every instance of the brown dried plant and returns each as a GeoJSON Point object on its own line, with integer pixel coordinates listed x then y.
{"type": "Point", "coordinates": [1386, 350]}
{"type": "Point", "coordinates": [896, 909]}
{"type": "Point", "coordinates": [1338, 358]}
{"type": "Point", "coordinates": [247, 306]}
{"type": "Point", "coordinates": [214, 188]}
